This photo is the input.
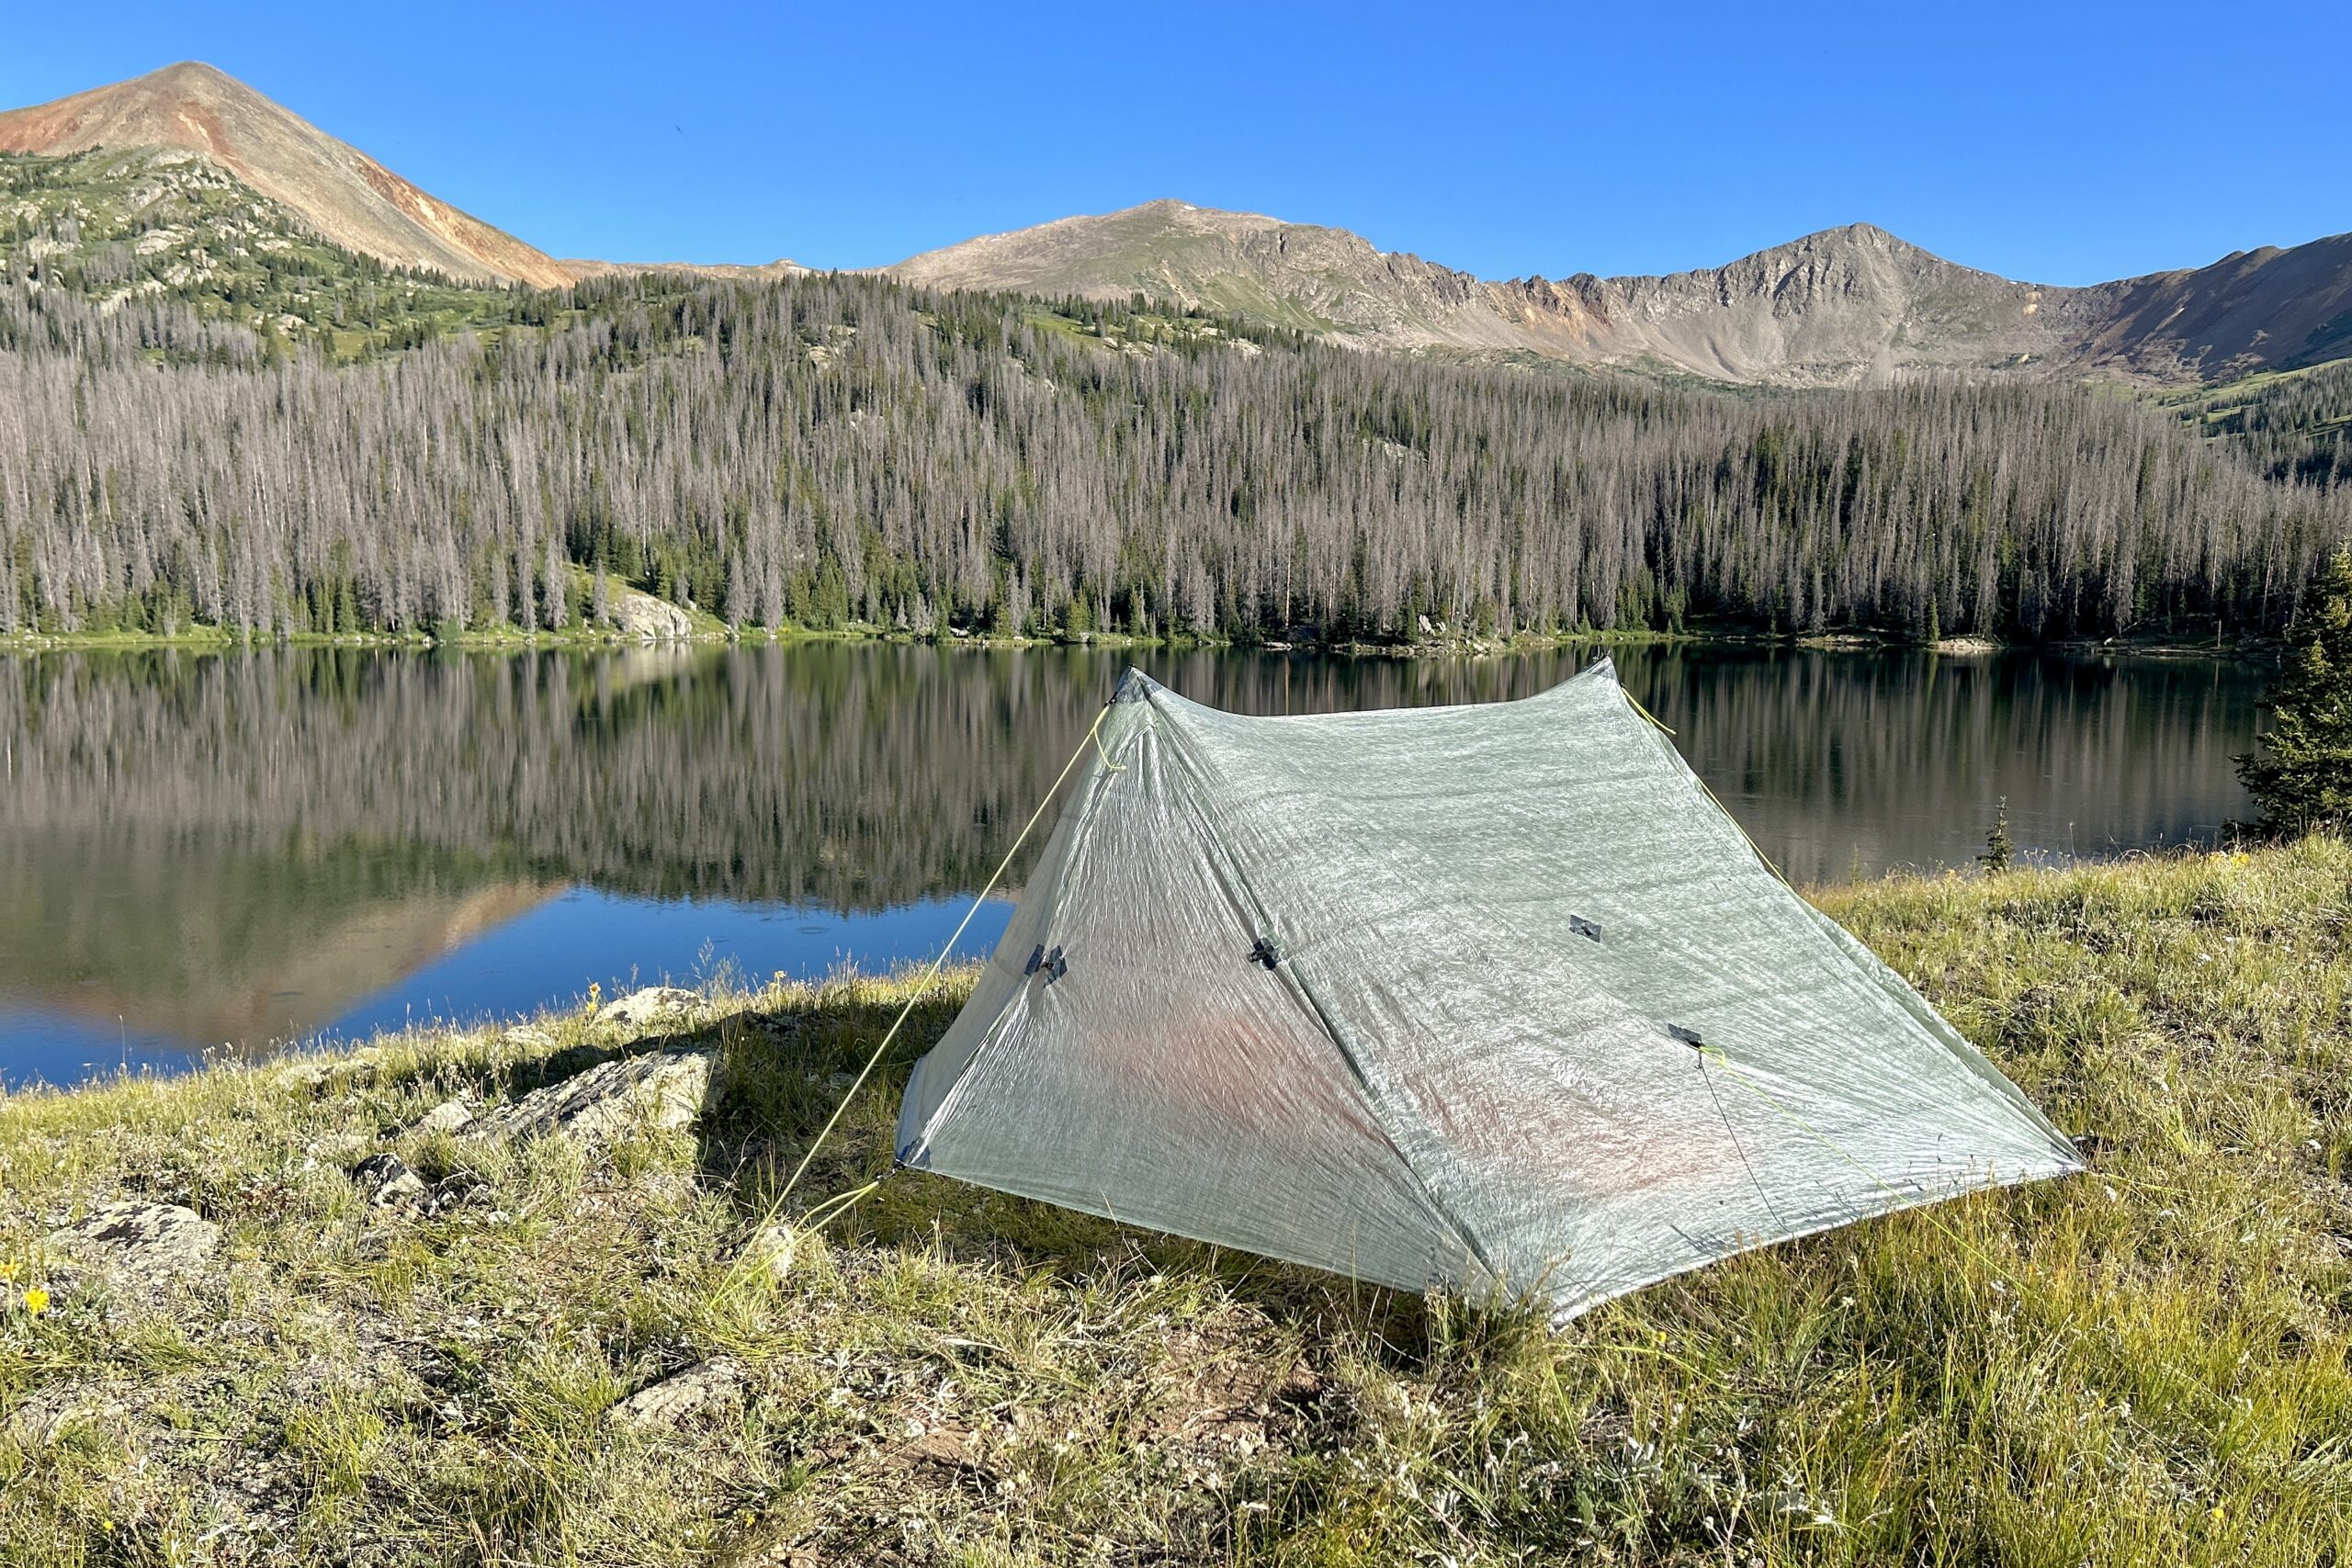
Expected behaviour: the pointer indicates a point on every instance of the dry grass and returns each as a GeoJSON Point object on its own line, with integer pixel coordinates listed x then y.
{"type": "Point", "coordinates": [2144, 1364]}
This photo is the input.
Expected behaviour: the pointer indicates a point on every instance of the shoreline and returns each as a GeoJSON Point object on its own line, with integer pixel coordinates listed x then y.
{"type": "Point", "coordinates": [208, 640]}
{"type": "Point", "coordinates": [539, 1286]}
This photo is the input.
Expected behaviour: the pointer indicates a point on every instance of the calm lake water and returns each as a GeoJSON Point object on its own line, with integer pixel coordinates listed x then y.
{"type": "Point", "coordinates": [210, 853]}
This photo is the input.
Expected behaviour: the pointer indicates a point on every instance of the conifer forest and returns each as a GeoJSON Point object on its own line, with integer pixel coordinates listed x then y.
{"type": "Point", "coordinates": [833, 451]}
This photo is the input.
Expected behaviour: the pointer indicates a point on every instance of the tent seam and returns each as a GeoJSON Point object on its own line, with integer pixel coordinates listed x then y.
{"type": "Point", "coordinates": [1229, 868]}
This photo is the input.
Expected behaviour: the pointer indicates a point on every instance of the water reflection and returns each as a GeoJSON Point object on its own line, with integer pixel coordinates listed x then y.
{"type": "Point", "coordinates": [200, 850]}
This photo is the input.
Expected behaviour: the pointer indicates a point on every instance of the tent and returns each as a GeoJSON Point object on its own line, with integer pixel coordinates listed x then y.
{"type": "Point", "coordinates": [1492, 997]}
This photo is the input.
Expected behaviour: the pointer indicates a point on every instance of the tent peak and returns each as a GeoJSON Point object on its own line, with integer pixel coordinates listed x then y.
{"type": "Point", "coordinates": [1135, 686]}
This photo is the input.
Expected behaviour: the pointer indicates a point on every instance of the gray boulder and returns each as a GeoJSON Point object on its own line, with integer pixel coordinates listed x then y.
{"type": "Point", "coordinates": [657, 1091]}
{"type": "Point", "coordinates": [769, 1252]}
{"type": "Point", "coordinates": [642, 1009]}
{"type": "Point", "coordinates": [648, 619]}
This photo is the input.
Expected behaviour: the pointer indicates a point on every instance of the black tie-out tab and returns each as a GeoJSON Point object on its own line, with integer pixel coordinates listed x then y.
{"type": "Point", "coordinates": [1583, 927]}
{"type": "Point", "coordinates": [1687, 1036]}
{"type": "Point", "coordinates": [1053, 963]}
{"type": "Point", "coordinates": [1266, 951]}
{"type": "Point", "coordinates": [1036, 961]}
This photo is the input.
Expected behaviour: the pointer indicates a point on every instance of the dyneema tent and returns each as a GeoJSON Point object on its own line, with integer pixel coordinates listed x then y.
{"type": "Point", "coordinates": [1494, 999]}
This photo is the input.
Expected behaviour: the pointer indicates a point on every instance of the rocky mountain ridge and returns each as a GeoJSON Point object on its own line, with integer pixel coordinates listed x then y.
{"type": "Point", "coordinates": [1845, 305]}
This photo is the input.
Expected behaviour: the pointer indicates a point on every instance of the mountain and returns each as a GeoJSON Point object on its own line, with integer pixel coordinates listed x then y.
{"type": "Point", "coordinates": [783, 266]}
{"type": "Point", "coordinates": [1847, 305]}
{"type": "Point", "coordinates": [2264, 310]}
{"type": "Point", "coordinates": [1292, 275]}
{"type": "Point", "coordinates": [335, 189]}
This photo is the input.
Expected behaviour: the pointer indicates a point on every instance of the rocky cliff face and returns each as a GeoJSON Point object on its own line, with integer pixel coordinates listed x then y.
{"type": "Point", "coordinates": [1847, 305]}
{"type": "Point", "coordinates": [337, 190]}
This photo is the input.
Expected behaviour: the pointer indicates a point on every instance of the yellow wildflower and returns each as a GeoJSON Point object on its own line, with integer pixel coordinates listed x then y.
{"type": "Point", "coordinates": [36, 1301]}
{"type": "Point", "coordinates": [9, 1270]}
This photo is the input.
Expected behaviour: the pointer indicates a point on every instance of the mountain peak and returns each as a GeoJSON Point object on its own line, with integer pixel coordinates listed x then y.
{"type": "Point", "coordinates": [1847, 238]}
{"type": "Point", "coordinates": [183, 73]}
{"type": "Point", "coordinates": [334, 189]}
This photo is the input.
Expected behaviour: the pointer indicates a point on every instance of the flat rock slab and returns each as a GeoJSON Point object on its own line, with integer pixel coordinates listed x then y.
{"type": "Point", "coordinates": [658, 1091]}
{"type": "Point", "coordinates": [671, 1401]}
{"type": "Point", "coordinates": [653, 1005]}
{"type": "Point", "coordinates": [142, 1241]}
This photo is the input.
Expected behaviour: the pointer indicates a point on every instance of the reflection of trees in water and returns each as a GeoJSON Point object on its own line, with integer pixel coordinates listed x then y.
{"type": "Point", "coordinates": [1880, 761]}
{"type": "Point", "coordinates": [857, 777]}
{"type": "Point", "coordinates": [851, 777]}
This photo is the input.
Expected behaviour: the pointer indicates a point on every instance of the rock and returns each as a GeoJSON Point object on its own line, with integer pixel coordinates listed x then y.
{"type": "Point", "coordinates": [144, 1242]}
{"type": "Point", "coordinates": [648, 619]}
{"type": "Point", "coordinates": [388, 1180]}
{"type": "Point", "coordinates": [37, 1423]}
{"type": "Point", "coordinates": [643, 1009]}
{"type": "Point", "coordinates": [659, 1090]}
{"type": "Point", "coordinates": [446, 1117]}
{"type": "Point", "coordinates": [769, 1252]}
{"type": "Point", "coordinates": [315, 1073]}
{"type": "Point", "coordinates": [671, 1401]}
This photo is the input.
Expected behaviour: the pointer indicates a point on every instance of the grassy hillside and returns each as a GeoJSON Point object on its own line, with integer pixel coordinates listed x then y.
{"type": "Point", "coordinates": [2290, 424]}
{"type": "Point", "coordinates": [2143, 1364]}
{"type": "Point", "coordinates": [161, 226]}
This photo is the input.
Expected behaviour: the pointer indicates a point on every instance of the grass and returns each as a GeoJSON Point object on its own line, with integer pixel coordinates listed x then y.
{"type": "Point", "coordinates": [2146, 1364]}
{"type": "Point", "coordinates": [120, 226]}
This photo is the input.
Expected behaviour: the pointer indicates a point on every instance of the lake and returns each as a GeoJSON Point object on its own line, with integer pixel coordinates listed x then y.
{"type": "Point", "coordinates": [225, 853]}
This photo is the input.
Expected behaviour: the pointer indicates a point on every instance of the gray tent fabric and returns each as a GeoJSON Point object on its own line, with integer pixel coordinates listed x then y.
{"type": "Point", "coordinates": [1494, 999]}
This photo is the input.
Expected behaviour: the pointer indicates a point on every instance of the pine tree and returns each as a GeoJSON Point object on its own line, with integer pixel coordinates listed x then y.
{"type": "Point", "coordinates": [2303, 776]}
{"type": "Point", "coordinates": [1999, 848]}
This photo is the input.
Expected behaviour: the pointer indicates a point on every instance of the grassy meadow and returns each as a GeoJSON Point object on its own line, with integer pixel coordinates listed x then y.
{"type": "Point", "coordinates": [2143, 1364]}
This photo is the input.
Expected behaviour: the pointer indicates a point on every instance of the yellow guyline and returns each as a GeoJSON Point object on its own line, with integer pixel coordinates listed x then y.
{"type": "Point", "coordinates": [834, 1207]}
{"type": "Point", "coordinates": [1752, 844]}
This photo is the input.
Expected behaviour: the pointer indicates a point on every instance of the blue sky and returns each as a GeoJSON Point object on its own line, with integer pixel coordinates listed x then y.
{"type": "Point", "coordinates": [2054, 142]}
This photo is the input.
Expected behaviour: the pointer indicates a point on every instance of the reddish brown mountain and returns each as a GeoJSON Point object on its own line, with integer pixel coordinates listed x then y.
{"type": "Point", "coordinates": [336, 190]}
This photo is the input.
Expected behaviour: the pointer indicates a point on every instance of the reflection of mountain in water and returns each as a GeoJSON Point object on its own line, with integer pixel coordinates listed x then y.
{"type": "Point", "coordinates": [195, 836]}
{"type": "Point", "coordinates": [208, 942]}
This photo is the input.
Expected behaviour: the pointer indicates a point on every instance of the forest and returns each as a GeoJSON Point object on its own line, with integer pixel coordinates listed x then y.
{"type": "Point", "coordinates": [2296, 426]}
{"type": "Point", "coordinates": [834, 451]}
